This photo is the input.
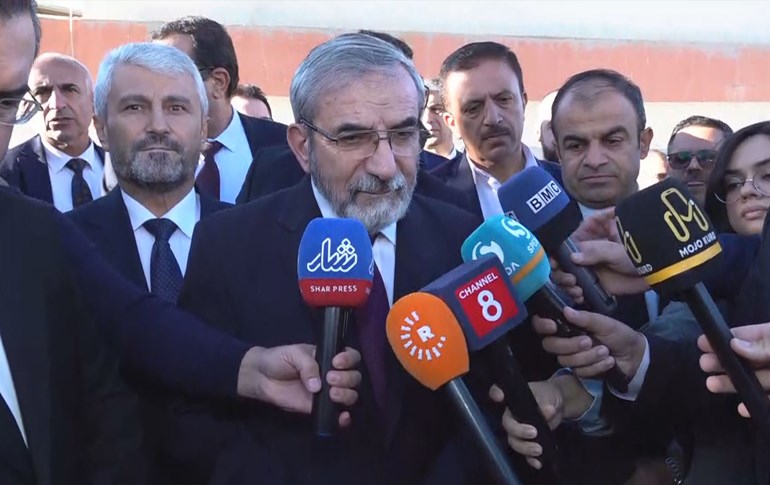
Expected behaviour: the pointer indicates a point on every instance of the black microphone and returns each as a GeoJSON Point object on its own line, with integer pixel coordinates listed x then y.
{"type": "Point", "coordinates": [429, 344]}
{"type": "Point", "coordinates": [528, 269]}
{"type": "Point", "coordinates": [674, 247]}
{"type": "Point", "coordinates": [335, 268]}
{"type": "Point", "coordinates": [538, 202]}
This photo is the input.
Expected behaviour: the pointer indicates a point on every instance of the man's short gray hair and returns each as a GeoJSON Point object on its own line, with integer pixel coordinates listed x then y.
{"type": "Point", "coordinates": [157, 58]}
{"type": "Point", "coordinates": [341, 61]}
{"type": "Point", "coordinates": [65, 59]}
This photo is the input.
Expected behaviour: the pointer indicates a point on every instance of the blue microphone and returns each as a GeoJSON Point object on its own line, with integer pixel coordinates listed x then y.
{"type": "Point", "coordinates": [335, 268]}
{"type": "Point", "coordinates": [539, 203]}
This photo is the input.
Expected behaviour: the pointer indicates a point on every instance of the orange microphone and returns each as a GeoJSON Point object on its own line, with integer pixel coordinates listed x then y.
{"type": "Point", "coordinates": [429, 343]}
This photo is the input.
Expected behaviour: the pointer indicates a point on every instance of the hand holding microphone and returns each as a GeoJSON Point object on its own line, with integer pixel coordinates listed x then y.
{"type": "Point", "coordinates": [335, 268]}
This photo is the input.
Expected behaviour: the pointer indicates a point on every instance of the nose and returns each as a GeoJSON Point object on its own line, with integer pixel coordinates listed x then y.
{"type": "Point", "coordinates": [694, 165]}
{"type": "Point", "coordinates": [56, 100]}
{"type": "Point", "coordinates": [157, 122]}
{"type": "Point", "coordinates": [491, 113]}
{"type": "Point", "coordinates": [382, 163]}
{"type": "Point", "coordinates": [748, 189]}
{"type": "Point", "coordinates": [595, 156]}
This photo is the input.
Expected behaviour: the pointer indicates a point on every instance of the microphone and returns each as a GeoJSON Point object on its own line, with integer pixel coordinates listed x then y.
{"type": "Point", "coordinates": [484, 302]}
{"type": "Point", "coordinates": [429, 344]}
{"type": "Point", "coordinates": [673, 246]}
{"type": "Point", "coordinates": [335, 268]}
{"type": "Point", "coordinates": [527, 267]}
{"type": "Point", "coordinates": [534, 198]}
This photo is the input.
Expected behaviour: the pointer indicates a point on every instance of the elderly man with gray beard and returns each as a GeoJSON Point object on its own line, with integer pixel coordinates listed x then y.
{"type": "Point", "coordinates": [356, 102]}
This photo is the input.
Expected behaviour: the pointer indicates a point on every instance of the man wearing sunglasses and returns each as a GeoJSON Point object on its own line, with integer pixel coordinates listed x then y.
{"type": "Point", "coordinates": [692, 150]}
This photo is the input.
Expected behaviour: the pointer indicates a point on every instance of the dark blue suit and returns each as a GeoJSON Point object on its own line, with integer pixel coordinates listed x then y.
{"type": "Point", "coordinates": [262, 133]}
{"type": "Point", "coordinates": [25, 167]}
{"type": "Point", "coordinates": [242, 277]}
{"type": "Point", "coordinates": [276, 168]}
{"type": "Point", "coordinates": [107, 224]}
{"type": "Point", "coordinates": [430, 161]}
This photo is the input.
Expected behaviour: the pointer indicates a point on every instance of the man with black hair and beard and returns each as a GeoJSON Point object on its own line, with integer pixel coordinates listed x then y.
{"type": "Point", "coordinates": [151, 114]}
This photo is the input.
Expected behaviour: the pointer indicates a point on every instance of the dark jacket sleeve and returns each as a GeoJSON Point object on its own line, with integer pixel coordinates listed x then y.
{"type": "Point", "coordinates": [151, 335]}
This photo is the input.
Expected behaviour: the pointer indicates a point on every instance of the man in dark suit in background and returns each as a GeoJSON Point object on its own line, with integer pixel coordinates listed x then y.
{"type": "Point", "coordinates": [484, 97]}
{"type": "Point", "coordinates": [233, 138]}
{"type": "Point", "coordinates": [357, 135]}
{"type": "Point", "coordinates": [440, 145]}
{"type": "Point", "coordinates": [144, 227]}
{"type": "Point", "coordinates": [61, 165]}
{"type": "Point", "coordinates": [65, 417]}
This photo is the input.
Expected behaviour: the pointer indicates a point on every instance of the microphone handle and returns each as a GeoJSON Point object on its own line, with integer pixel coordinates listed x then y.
{"type": "Point", "coordinates": [741, 374]}
{"type": "Point", "coordinates": [596, 297]}
{"type": "Point", "coordinates": [326, 411]}
{"type": "Point", "coordinates": [547, 303]}
{"type": "Point", "coordinates": [519, 399]}
{"type": "Point", "coordinates": [482, 434]}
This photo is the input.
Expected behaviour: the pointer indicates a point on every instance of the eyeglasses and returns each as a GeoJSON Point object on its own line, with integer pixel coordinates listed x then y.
{"type": "Point", "coordinates": [363, 143]}
{"type": "Point", "coordinates": [17, 111]}
{"type": "Point", "coordinates": [733, 185]}
{"type": "Point", "coordinates": [681, 160]}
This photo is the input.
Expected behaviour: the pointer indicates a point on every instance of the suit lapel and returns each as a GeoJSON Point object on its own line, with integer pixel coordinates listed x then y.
{"type": "Point", "coordinates": [25, 339]}
{"type": "Point", "coordinates": [33, 166]}
{"type": "Point", "coordinates": [464, 182]}
{"type": "Point", "coordinates": [253, 135]}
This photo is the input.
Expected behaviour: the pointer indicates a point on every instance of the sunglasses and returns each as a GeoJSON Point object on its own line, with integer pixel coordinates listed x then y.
{"type": "Point", "coordinates": [681, 160]}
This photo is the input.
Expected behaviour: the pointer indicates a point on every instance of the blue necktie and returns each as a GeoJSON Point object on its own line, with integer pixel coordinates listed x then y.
{"type": "Point", "coordinates": [165, 275]}
{"type": "Point", "coordinates": [81, 194]}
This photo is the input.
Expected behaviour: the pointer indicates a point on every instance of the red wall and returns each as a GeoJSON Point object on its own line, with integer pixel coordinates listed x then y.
{"type": "Point", "coordinates": [665, 72]}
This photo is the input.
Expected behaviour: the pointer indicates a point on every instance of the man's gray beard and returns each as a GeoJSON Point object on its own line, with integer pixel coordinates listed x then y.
{"type": "Point", "coordinates": [158, 172]}
{"type": "Point", "coordinates": [379, 214]}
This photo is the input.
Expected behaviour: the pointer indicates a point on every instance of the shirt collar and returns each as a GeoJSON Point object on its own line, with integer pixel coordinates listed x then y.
{"type": "Point", "coordinates": [325, 206]}
{"type": "Point", "coordinates": [529, 161]}
{"type": "Point", "coordinates": [233, 136]}
{"type": "Point", "coordinates": [183, 214]}
{"type": "Point", "coordinates": [57, 159]}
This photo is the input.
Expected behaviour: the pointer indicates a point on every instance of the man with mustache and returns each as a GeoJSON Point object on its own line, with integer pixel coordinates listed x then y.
{"type": "Point", "coordinates": [61, 165]}
{"type": "Point", "coordinates": [357, 102]}
{"type": "Point", "coordinates": [484, 97]}
{"type": "Point", "coordinates": [692, 151]}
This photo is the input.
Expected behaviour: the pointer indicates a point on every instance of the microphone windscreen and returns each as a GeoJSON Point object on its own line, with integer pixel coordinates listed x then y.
{"type": "Point", "coordinates": [335, 264]}
{"type": "Point", "coordinates": [482, 299]}
{"type": "Point", "coordinates": [520, 252]}
{"type": "Point", "coordinates": [427, 339]}
{"type": "Point", "coordinates": [536, 200]}
{"type": "Point", "coordinates": [667, 236]}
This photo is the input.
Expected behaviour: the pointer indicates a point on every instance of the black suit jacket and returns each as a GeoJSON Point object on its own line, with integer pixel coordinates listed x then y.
{"type": "Point", "coordinates": [242, 277]}
{"type": "Point", "coordinates": [107, 224]}
{"type": "Point", "coordinates": [262, 133]}
{"type": "Point", "coordinates": [79, 420]}
{"type": "Point", "coordinates": [457, 174]}
{"type": "Point", "coordinates": [25, 167]}
{"type": "Point", "coordinates": [276, 168]}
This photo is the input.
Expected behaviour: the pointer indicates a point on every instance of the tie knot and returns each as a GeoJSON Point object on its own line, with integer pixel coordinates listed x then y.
{"type": "Point", "coordinates": [161, 229]}
{"type": "Point", "coordinates": [77, 165]}
{"type": "Point", "coordinates": [210, 148]}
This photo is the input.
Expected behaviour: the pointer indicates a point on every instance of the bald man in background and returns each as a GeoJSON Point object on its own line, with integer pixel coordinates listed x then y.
{"type": "Point", "coordinates": [62, 165]}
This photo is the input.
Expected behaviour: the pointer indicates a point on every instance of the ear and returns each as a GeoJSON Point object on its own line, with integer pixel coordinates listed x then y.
{"type": "Point", "coordinates": [645, 139]}
{"type": "Point", "coordinates": [524, 100]}
{"type": "Point", "coordinates": [221, 80]}
{"type": "Point", "coordinates": [451, 122]}
{"type": "Point", "coordinates": [298, 137]}
{"type": "Point", "coordinates": [101, 131]}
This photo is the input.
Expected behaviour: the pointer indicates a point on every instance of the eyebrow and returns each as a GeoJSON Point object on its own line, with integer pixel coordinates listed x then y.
{"type": "Point", "coordinates": [616, 130]}
{"type": "Point", "coordinates": [15, 93]}
{"type": "Point", "coordinates": [409, 122]}
{"type": "Point", "coordinates": [754, 166]}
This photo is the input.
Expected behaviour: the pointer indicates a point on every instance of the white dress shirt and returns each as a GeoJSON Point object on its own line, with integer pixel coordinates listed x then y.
{"type": "Point", "coordinates": [233, 159]}
{"type": "Point", "coordinates": [8, 390]}
{"type": "Point", "coordinates": [185, 215]}
{"type": "Point", "coordinates": [61, 176]}
{"type": "Point", "coordinates": [384, 248]}
{"type": "Point", "coordinates": [487, 186]}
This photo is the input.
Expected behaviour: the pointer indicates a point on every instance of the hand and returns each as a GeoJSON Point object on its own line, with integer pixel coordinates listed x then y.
{"type": "Point", "coordinates": [288, 376]}
{"type": "Point", "coordinates": [620, 345]}
{"type": "Point", "coordinates": [600, 226]}
{"type": "Point", "coordinates": [752, 343]}
{"type": "Point", "coordinates": [611, 264]}
{"type": "Point", "coordinates": [560, 398]}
